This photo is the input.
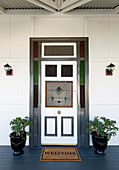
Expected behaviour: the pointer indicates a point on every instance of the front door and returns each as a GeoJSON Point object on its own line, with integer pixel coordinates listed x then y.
{"type": "Point", "coordinates": [59, 102]}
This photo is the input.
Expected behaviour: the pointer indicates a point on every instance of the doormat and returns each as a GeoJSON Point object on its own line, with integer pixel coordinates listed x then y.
{"type": "Point", "coordinates": [60, 154]}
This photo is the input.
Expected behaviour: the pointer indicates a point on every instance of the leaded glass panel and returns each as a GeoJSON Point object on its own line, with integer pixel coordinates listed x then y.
{"type": "Point", "coordinates": [59, 94]}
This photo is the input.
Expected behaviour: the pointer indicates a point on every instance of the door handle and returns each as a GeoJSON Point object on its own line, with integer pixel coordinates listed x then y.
{"type": "Point", "coordinates": [59, 112]}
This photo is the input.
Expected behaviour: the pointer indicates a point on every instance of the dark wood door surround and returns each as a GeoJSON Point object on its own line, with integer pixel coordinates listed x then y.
{"type": "Point", "coordinates": [35, 86]}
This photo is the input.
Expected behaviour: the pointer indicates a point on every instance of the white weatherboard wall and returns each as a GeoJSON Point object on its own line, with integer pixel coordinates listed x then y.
{"type": "Point", "coordinates": [15, 31]}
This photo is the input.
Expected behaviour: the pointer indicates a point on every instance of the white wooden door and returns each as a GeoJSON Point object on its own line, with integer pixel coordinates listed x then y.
{"type": "Point", "coordinates": [58, 102]}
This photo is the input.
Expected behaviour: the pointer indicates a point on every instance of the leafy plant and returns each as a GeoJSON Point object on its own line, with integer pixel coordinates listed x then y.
{"type": "Point", "coordinates": [103, 127]}
{"type": "Point", "coordinates": [18, 125]}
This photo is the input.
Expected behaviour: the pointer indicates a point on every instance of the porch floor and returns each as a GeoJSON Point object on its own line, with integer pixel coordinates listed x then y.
{"type": "Point", "coordinates": [30, 160]}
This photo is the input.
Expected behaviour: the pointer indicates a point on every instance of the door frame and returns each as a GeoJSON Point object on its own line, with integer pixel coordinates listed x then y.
{"type": "Point", "coordinates": [82, 115]}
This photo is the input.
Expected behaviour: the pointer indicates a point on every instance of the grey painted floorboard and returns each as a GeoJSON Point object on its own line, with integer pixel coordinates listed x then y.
{"type": "Point", "coordinates": [30, 160]}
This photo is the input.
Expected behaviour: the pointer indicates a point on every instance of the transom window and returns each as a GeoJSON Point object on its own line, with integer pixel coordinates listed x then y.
{"type": "Point", "coordinates": [61, 50]}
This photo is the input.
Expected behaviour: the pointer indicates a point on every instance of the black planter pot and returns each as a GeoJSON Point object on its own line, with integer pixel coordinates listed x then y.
{"type": "Point", "coordinates": [99, 143]}
{"type": "Point", "coordinates": [17, 143]}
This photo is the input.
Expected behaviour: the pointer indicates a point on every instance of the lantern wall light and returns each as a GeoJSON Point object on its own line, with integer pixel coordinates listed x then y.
{"type": "Point", "coordinates": [110, 69]}
{"type": "Point", "coordinates": [8, 69]}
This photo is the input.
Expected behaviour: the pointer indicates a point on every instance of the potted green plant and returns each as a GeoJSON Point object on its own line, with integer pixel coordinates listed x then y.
{"type": "Point", "coordinates": [19, 134]}
{"type": "Point", "coordinates": [101, 129]}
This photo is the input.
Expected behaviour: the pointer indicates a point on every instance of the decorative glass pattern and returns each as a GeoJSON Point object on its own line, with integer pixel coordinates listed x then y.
{"type": "Point", "coordinates": [59, 90]}
{"type": "Point", "coordinates": [59, 94]}
{"type": "Point", "coordinates": [51, 70]}
{"type": "Point", "coordinates": [67, 70]}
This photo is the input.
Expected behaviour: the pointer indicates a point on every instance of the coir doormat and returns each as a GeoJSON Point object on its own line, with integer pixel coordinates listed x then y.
{"type": "Point", "coordinates": [60, 154]}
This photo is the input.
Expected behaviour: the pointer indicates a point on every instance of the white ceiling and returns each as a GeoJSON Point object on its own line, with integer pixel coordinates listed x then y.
{"type": "Point", "coordinates": [58, 6]}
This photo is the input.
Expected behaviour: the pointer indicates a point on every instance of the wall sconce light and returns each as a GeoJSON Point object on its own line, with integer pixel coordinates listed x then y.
{"type": "Point", "coordinates": [110, 69]}
{"type": "Point", "coordinates": [8, 69]}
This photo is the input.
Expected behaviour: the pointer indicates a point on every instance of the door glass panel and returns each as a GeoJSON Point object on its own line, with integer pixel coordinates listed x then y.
{"type": "Point", "coordinates": [67, 70]}
{"type": "Point", "coordinates": [35, 83]}
{"type": "Point", "coordinates": [82, 49]}
{"type": "Point", "coordinates": [35, 49]}
{"type": "Point", "coordinates": [82, 72]}
{"type": "Point", "coordinates": [82, 84]}
{"type": "Point", "coordinates": [51, 70]}
{"type": "Point", "coordinates": [59, 94]}
{"type": "Point", "coordinates": [58, 50]}
{"type": "Point", "coordinates": [35, 95]}
{"type": "Point", "coordinates": [82, 96]}
{"type": "Point", "coordinates": [35, 72]}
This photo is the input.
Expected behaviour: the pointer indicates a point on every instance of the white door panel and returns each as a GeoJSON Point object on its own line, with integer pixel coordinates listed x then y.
{"type": "Point", "coordinates": [67, 128]}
